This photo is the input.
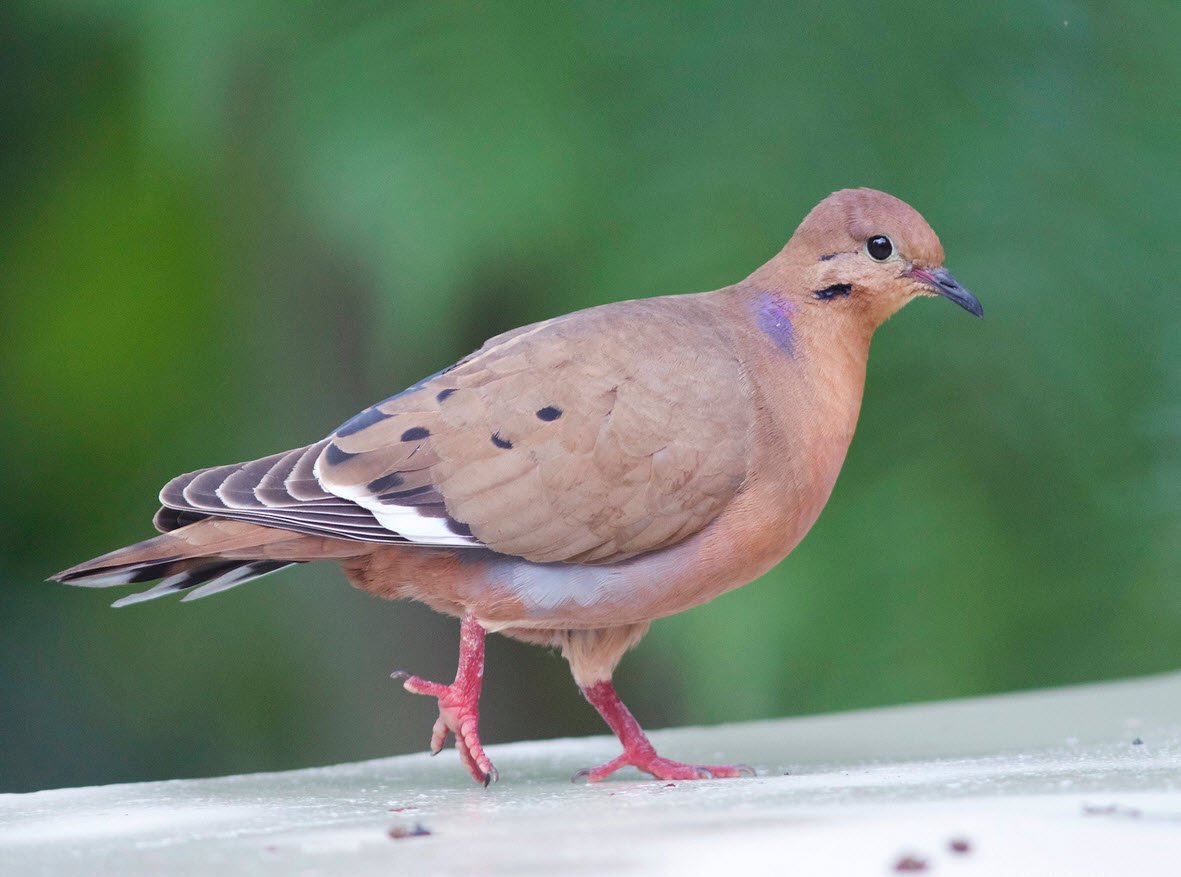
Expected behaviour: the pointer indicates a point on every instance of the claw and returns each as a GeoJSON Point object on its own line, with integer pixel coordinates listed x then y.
{"type": "Point", "coordinates": [459, 704]}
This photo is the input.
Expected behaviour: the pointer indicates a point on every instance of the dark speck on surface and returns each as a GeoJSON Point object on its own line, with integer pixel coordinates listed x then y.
{"type": "Point", "coordinates": [400, 832]}
{"type": "Point", "coordinates": [910, 864]}
{"type": "Point", "coordinates": [503, 443]}
{"type": "Point", "coordinates": [1137, 742]}
{"type": "Point", "coordinates": [1111, 810]}
{"type": "Point", "coordinates": [960, 845]}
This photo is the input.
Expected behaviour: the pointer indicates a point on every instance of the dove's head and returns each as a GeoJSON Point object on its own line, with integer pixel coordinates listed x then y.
{"type": "Point", "coordinates": [864, 254]}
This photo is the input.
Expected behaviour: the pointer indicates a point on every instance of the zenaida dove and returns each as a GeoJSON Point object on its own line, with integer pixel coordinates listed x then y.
{"type": "Point", "coordinates": [575, 479]}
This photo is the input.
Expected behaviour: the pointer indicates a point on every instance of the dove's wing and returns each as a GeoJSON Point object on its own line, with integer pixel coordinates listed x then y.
{"type": "Point", "coordinates": [589, 438]}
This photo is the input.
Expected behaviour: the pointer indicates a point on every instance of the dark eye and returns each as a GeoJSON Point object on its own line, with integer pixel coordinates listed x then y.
{"type": "Point", "coordinates": [879, 248]}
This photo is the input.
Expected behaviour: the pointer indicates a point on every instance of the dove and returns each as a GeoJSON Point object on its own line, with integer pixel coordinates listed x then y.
{"type": "Point", "coordinates": [576, 479]}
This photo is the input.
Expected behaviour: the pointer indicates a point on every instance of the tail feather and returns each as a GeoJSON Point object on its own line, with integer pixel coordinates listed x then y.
{"type": "Point", "coordinates": [213, 578]}
{"type": "Point", "coordinates": [203, 558]}
{"type": "Point", "coordinates": [238, 576]}
{"type": "Point", "coordinates": [106, 571]}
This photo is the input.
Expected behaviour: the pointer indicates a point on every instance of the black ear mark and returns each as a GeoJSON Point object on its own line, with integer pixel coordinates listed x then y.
{"type": "Point", "coordinates": [835, 291]}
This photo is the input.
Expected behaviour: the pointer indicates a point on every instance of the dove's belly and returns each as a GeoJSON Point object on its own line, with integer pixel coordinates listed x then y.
{"type": "Point", "coordinates": [734, 549]}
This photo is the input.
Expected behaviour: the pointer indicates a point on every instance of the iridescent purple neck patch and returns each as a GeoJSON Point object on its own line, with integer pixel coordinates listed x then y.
{"type": "Point", "coordinates": [774, 319]}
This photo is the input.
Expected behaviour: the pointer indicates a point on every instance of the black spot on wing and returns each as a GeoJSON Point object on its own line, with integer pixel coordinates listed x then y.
{"type": "Point", "coordinates": [415, 387]}
{"type": "Point", "coordinates": [501, 442]}
{"type": "Point", "coordinates": [549, 412]}
{"type": "Point", "coordinates": [335, 456]}
{"type": "Point", "coordinates": [443, 394]}
{"type": "Point", "coordinates": [385, 482]}
{"type": "Point", "coordinates": [415, 433]}
{"type": "Point", "coordinates": [457, 528]}
{"type": "Point", "coordinates": [366, 418]}
{"type": "Point", "coordinates": [398, 497]}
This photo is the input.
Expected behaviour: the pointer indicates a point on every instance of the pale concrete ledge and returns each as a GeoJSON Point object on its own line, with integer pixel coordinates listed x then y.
{"type": "Point", "coordinates": [1083, 780]}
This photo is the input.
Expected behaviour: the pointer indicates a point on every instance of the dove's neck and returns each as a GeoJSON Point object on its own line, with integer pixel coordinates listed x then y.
{"type": "Point", "coordinates": [808, 372]}
{"type": "Point", "coordinates": [824, 370]}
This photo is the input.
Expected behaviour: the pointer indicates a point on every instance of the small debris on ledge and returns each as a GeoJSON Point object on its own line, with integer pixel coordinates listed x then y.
{"type": "Point", "coordinates": [1111, 810]}
{"type": "Point", "coordinates": [910, 864]}
{"type": "Point", "coordinates": [401, 832]}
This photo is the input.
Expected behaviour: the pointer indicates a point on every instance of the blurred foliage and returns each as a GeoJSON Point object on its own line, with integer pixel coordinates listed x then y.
{"type": "Point", "coordinates": [227, 226]}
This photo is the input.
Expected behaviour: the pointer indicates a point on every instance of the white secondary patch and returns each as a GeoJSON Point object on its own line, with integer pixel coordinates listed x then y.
{"type": "Point", "coordinates": [409, 522]}
{"type": "Point", "coordinates": [406, 521]}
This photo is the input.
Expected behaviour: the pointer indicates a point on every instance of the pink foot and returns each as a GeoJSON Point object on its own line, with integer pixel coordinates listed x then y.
{"type": "Point", "coordinates": [663, 768]}
{"type": "Point", "coordinates": [459, 703]}
{"type": "Point", "coordinates": [638, 751]}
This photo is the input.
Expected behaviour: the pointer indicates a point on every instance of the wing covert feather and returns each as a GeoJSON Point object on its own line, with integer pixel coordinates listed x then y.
{"type": "Point", "coordinates": [589, 438]}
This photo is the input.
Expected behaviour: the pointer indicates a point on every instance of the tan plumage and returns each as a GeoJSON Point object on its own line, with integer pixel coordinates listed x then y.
{"type": "Point", "coordinates": [575, 479]}
{"type": "Point", "coordinates": [628, 461]}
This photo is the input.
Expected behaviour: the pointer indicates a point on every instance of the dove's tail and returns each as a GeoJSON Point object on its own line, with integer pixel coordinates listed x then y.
{"type": "Point", "coordinates": [201, 558]}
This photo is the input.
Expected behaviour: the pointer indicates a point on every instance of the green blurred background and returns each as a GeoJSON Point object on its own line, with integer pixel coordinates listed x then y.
{"type": "Point", "coordinates": [226, 227]}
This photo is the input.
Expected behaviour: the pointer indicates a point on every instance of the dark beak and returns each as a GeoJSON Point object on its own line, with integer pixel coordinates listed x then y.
{"type": "Point", "coordinates": [944, 284]}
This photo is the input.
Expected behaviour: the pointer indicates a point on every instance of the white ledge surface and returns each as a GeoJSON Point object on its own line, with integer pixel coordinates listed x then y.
{"type": "Point", "coordinates": [1040, 783]}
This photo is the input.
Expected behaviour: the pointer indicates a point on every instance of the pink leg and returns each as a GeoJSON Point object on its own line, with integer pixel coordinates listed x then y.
{"type": "Point", "coordinates": [459, 703]}
{"type": "Point", "coordinates": [638, 750]}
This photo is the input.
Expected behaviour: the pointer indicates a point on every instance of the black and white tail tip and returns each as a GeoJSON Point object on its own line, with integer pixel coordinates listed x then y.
{"type": "Point", "coordinates": [202, 580]}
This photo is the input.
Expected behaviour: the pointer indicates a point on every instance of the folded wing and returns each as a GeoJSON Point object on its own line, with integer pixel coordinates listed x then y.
{"type": "Point", "coordinates": [590, 438]}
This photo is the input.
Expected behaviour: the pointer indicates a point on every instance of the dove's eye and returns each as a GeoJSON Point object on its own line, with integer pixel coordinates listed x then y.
{"type": "Point", "coordinates": [879, 247]}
